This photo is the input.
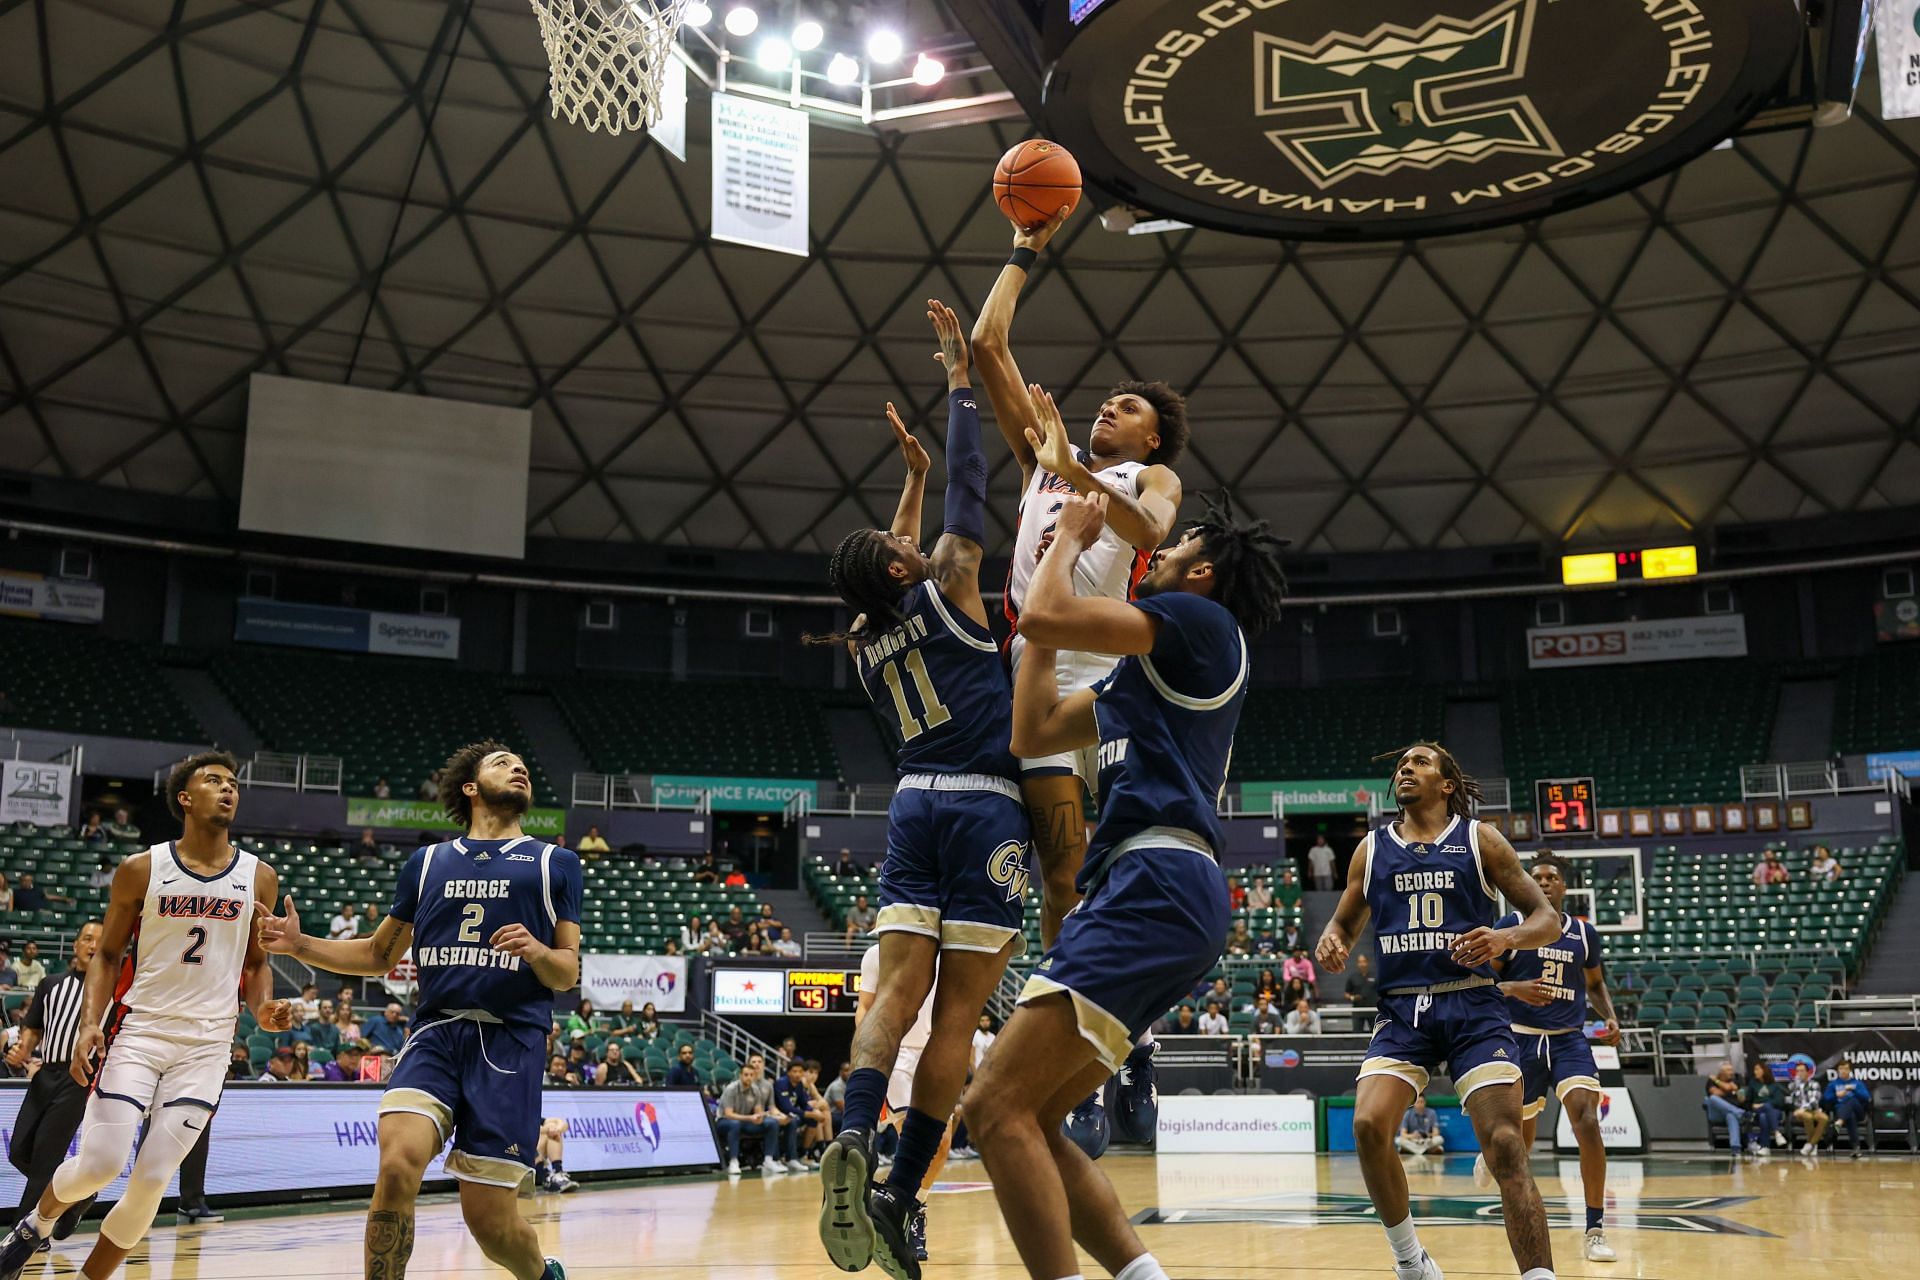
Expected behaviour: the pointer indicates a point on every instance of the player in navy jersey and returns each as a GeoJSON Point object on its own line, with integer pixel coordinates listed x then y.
{"type": "Point", "coordinates": [1548, 992]}
{"type": "Point", "coordinates": [493, 918]}
{"type": "Point", "coordinates": [1153, 914]}
{"type": "Point", "coordinates": [953, 883]}
{"type": "Point", "coordinates": [1431, 881]}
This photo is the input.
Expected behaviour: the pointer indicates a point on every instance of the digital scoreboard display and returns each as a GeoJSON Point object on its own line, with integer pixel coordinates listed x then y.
{"type": "Point", "coordinates": [1565, 806]}
{"type": "Point", "coordinates": [822, 991]}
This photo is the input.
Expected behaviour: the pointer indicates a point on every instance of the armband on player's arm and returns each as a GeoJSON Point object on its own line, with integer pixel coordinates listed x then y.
{"type": "Point", "coordinates": [966, 468]}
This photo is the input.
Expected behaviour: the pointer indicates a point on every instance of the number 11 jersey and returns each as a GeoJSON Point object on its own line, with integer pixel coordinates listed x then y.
{"type": "Point", "coordinates": [937, 680]}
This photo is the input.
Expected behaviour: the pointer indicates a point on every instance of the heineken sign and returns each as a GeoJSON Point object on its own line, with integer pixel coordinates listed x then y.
{"type": "Point", "coordinates": [1329, 795]}
{"type": "Point", "coordinates": [1381, 119]}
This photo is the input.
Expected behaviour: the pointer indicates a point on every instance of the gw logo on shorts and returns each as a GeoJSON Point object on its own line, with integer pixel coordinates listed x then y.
{"type": "Point", "coordinates": [1007, 867]}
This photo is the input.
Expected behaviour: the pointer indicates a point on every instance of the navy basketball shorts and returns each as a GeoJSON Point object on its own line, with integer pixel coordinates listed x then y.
{"type": "Point", "coordinates": [1467, 1030]}
{"type": "Point", "coordinates": [1141, 940]}
{"type": "Point", "coordinates": [956, 864]}
{"type": "Point", "coordinates": [1562, 1060]}
{"type": "Point", "coordinates": [480, 1085]}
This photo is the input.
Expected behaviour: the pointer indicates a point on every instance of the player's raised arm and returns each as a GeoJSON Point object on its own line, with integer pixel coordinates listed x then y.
{"type": "Point", "coordinates": [1349, 918]}
{"type": "Point", "coordinates": [124, 901]}
{"type": "Point", "coordinates": [1006, 389]}
{"type": "Point", "coordinates": [1145, 521]}
{"type": "Point", "coordinates": [367, 957]}
{"type": "Point", "coordinates": [956, 556]}
{"type": "Point", "coordinates": [256, 973]}
{"type": "Point", "coordinates": [1057, 618]}
{"type": "Point", "coordinates": [913, 492]}
{"type": "Point", "coordinates": [1539, 923]}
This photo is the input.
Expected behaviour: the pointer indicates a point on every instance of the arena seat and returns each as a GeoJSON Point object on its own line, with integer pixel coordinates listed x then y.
{"type": "Point", "coordinates": [1331, 732]}
{"type": "Point", "coordinates": [1876, 703]}
{"type": "Point", "coordinates": [662, 726]}
{"type": "Point", "coordinates": [65, 679]}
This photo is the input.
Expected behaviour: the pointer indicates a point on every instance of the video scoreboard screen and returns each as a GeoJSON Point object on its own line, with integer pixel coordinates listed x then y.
{"type": "Point", "coordinates": [804, 991]}
{"type": "Point", "coordinates": [1565, 806]}
{"type": "Point", "coordinates": [823, 991]}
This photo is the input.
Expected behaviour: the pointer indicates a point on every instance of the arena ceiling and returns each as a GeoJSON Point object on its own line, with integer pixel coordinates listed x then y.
{"type": "Point", "coordinates": [194, 191]}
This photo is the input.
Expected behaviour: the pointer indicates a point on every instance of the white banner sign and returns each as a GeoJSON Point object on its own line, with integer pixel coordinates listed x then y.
{"type": "Point", "coordinates": [671, 129]}
{"type": "Point", "coordinates": [1898, 35]}
{"type": "Point", "coordinates": [1258, 1123]}
{"type": "Point", "coordinates": [28, 595]}
{"type": "Point", "coordinates": [759, 174]}
{"type": "Point", "coordinates": [1619, 1124]}
{"type": "Point", "coordinates": [611, 980]}
{"type": "Point", "coordinates": [31, 791]}
{"type": "Point", "coordinates": [1613, 643]}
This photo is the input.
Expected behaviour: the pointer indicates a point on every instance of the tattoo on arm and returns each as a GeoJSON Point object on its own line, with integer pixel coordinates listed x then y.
{"type": "Point", "coordinates": [389, 1244]}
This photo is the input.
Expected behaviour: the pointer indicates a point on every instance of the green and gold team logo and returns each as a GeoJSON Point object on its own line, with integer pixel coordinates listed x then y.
{"type": "Point", "coordinates": [1401, 98]}
{"type": "Point", "coordinates": [1007, 867]}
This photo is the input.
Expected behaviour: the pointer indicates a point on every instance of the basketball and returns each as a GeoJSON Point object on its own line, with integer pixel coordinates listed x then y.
{"type": "Point", "coordinates": [1034, 180]}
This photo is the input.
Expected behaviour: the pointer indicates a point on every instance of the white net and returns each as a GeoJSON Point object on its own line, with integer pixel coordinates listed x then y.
{"type": "Point", "coordinates": [608, 58]}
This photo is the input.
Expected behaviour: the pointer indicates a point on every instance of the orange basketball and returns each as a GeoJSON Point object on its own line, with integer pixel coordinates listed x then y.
{"type": "Point", "coordinates": [1034, 180]}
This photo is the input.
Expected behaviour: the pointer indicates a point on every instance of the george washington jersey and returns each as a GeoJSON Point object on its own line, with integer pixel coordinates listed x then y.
{"type": "Point", "coordinates": [1424, 896]}
{"type": "Point", "coordinates": [935, 677]}
{"type": "Point", "coordinates": [1563, 966]}
{"type": "Point", "coordinates": [1111, 567]}
{"type": "Point", "coordinates": [1166, 722]}
{"type": "Point", "coordinates": [456, 895]}
{"type": "Point", "coordinates": [190, 948]}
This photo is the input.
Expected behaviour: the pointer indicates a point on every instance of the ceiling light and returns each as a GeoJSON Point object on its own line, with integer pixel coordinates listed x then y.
{"type": "Point", "coordinates": [808, 35]}
{"type": "Point", "coordinates": [741, 21]}
{"type": "Point", "coordinates": [697, 14]}
{"type": "Point", "coordinates": [842, 70]}
{"type": "Point", "coordinates": [774, 54]}
{"type": "Point", "coordinates": [884, 46]}
{"type": "Point", "coordinates": [927, 71]}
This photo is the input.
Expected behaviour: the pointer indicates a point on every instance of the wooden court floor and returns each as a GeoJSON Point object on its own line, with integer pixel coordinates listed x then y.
{"type": "Point", "coordinates": [1231, 1217]}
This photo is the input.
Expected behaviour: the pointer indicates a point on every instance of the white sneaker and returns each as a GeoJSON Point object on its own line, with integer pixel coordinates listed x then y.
{"type": "Point", "coordinates": [1806, 1148]}
{"type": "Point", "coordinates": [733, 1167]}
{"type": "Point", "coordinates": [1482, 1176]}
{"type": "Point", "coordinates": [1779, 1138]}
{"type": "Point", "coordinates": [796, 1166]}
{"type": "Point", "coordinates": [1755, 1150]}
{"type": "Point", "coordinates": [771, 1165]}
{"type": "Point", "coordinates": [562, 1183]}
{"type": "Point", "coordinates": [1421, 1268]}
{"type": "Point", "coordinates": [1598, 1250]}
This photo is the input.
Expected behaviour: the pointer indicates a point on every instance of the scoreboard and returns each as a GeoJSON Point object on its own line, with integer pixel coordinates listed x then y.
{"type": "Point", "coordinates": [822, 991]}
{"type": "Point", "coordinates": [769, 990]}
{"type": "Point", "coordinates": [1565, 806]}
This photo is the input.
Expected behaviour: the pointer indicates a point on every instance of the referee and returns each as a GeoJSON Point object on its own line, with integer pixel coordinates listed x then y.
{"type": "Point", "coordinates": [55, 1102]}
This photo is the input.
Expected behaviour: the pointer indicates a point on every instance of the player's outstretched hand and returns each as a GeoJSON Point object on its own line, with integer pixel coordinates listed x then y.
{"type": "Point", "coordinates": [915, 453]}
{"type": "Point", "coordinates": [1331, 954]}
{"type": "Point", "coordinates": [1037, 238]}
{"type": "Point", "coordinates": [275, 1015]}
{"type": "Point", "coordinates": [953, 341]}
{"type": "Point", "coordinates": [1051, 449]}
{"type": "Point", "coordinates": [88, 1045]}
{"type": "Point", "coordinates": [1477, 947]}
{"type": "Point", "coordinates": [1081, 518]}
{"type": "Point", "coordinates": [1532, 991]}
{"type": "Point", "coordinates": [516, 940]}
{"type": "Point", "coordinates": [279, 935]}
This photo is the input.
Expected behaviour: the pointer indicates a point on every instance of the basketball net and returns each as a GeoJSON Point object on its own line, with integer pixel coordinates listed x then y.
{"type": "Point", "coordinates": [607, 58]}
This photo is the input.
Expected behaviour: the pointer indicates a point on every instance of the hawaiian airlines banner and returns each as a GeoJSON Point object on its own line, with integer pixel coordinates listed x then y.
{"type": "Point", "coordinates": [1613, 643]}
{"type": "Point", "coordinates": [611, 980]}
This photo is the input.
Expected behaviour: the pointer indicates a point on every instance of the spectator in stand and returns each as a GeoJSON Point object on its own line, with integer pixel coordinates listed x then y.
{"type": "Point", "coordinates": [1303, 1021]}
{"type": "Point", "coordinates": [1420, 1130]}
{"type": "Point", "coordinates": [736, 879]}
{"type": "Point", "coordinates": [1804, 1098]}
{"type": "Point", "coordinates": [735, 927]}
{"type": "Point", "coordinates": [1723, 1104]}
{"type": "Point", "coordinates": [345, 1018]}
{"type": "Point", "coordinates": [1213, 1022]}
{"type": "Point", "coordinates": [624, 1023]}
{"type": "Point", "coordinates": [747, 1104]}
{"type": "Point", "coordinates": [789, 1051]}
{"type": "Point", "coordinates": [1287, 893]}
{"type": "Point", "coordinates": [1292, 992]}
{"type": "Point", "coordinates": [279, 1067]}
{"type": "Point", "coordinates": [369, 847]}
{"type": "Point", "coordinates": [837, 1092]}
{"type": "Point", "coordinates": [1847, 1102]}
{"type": "Point", "coordinates": [583, 1018]}
{"type": "Point", "coordinates": [671, 947]}
{"type": "Point", "coordinates": [818, 1116]}
{"type": "Point", "coordinates": [693, 936]}
{"type": "Point", "coordinates": [753, 944]}
{"type": "Point", "coordinates": [1266, 1022]}
{"type": "Point", "coordinates": [717, 944]}
{"type": "Point", "coordinates": [122, 827]}
{"type": "Point", "coordinates": [1766, 1108]}
{"type": "Point", "coordinates": [1320, 863]}
{"type": "Point", "coordinates": [30, 897]}
{"type": "Point", "coordinates": [579, 1062]}
{"type": "Point", "coordinates": [616, 1069]}
{"type": "Point", "coordinates": [382, 790]}
{"type": "Point", "coordinates": [1236, 894]}
{"type": "Point", "coordinates": [302, 1061]}
{"type": "Point", "coordinates": [681, 1074]}
{"type": "Point", "coordinates": [388, 1032]}
{"type": "Point", "coordinates": [983, 1038]}
{"type": "Point", "coordinates": [1825, 868]}
{"type": "Point", "coordinates": [787, 945]}
{"type": "Point", "coordinates": [1217, 991]}
{"type": "Point", "coordinates": [1179, 1023]}
{"type": "Point", "coordinates": [1770, 870]}
{"type": "Point", "coordinates": [307, 1007]}
{"type": "Point", "coordinates": [429, 788]}
{"type": "Point", "coordinates": [346, 924]}
{"type": "Point", "coordinates": [101, 876]}
{"type": "Point", "coordinates": [593, 844]}
{"type": "Point", "coordinates": [846, 866]}
{"type": "Point", "coordinates": [29, 973]}
{"type": "Point", "coordinates": [860, 917]}
{"type": "Point", "coordinates": [324, 1031]}
{"type": "Point", "coordinates": [94, 831]}
{"type": "Point", "coordinates": [9, 976]}
{"type": "Point", "coordinates": [1260, 897]}
{"type": "Point", "coordinates": [6, 894]}
{"type": "Point", "coordinates": [648, 1028]}
{"type": "Point", "coordinates": [1291, 939]}
{"type": "Point", "coordinates": [1239, 941]}
{"type": "Point", "coordinates": [345, 1067]}
{"type": "Point", "coordinates": [241, 1067]}
{"type": "Point", "coordinates": [770, 924]}
{"type": "Point", "coordinates": [1360, 989]}
{"type": "Point", "coordinates": [1298, 966]}
{"type": "Point", "coordinates": [708, 872]}
{"type": "Point", "coordinates": [790, 1099]}
{"type": "Point", "coordinates": [558, 1077]}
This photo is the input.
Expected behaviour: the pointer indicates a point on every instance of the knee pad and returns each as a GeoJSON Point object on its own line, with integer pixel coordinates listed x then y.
{"type": "Point", "coordinates": [104, 1148]}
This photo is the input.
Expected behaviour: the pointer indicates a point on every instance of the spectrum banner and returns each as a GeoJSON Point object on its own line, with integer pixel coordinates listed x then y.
{"type": "Point", "coordinates": [315, 1139]}
{"type": "Point", "coordinates": [610, 980]}
{"type": "Point", "coordinates": [426, 815]}
{"type": "Point", "coordinates": [316, 626]}
{"type": "Point", "coordinates": [732, 793]}
{"type": "Point", "coordinates": [29, 595]}
{"type": "Point", "coordinates": [1614, 643]}
{"type": "Point", "coordinates": [1332, 795]}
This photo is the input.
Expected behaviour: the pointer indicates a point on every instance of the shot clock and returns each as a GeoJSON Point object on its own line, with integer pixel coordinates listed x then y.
{"type": "Point", "coordinates": [1565, 806]}
{"type": "Point", "coordinates": [817, 991]}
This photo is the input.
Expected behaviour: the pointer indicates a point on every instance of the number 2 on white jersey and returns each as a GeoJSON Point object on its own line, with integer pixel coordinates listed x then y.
{"type": "Point", "coordinates": [933, 712]}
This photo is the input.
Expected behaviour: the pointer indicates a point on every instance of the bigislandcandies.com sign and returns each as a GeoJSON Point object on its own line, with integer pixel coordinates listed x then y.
{"type": "Point", "coordinates": [1248, 1123]}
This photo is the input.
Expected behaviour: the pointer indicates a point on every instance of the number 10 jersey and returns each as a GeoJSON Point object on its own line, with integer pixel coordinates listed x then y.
{"type": "Point", "coordinates": [936, 678]}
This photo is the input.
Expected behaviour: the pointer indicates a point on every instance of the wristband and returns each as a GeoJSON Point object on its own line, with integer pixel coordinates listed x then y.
{"type": "Point", "coordinates": [1023, 258]}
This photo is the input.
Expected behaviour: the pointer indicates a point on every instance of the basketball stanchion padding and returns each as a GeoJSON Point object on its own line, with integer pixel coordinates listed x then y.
{"type": "Point", "coordinates": [608, 58]}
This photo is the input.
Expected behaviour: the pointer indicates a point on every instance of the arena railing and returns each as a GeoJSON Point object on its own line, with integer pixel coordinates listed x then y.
{"type": "Point", "coordinates": [1774, 781]}
{"type": "Point", "coordinates": [835, 946]}
{"type": "Point", "coordinates": [734, 1040]}
{"type": "Point", "coordinates": [1869, 1011]}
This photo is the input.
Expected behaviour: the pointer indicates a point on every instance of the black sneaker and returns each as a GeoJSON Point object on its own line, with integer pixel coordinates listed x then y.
{"type": "Point", "coordinates": [18, 1249]}
{"type": "Point", "coordinates": [892, 1216]}
{"type": "Point", "coordinates": [198, 1214]}
{"type": "Point", "coordinates": [917, 1231]}
{"type": "Point", "coordinates": [846, 1176]}
{"type": "Point", "coordinates": [71, 1218]}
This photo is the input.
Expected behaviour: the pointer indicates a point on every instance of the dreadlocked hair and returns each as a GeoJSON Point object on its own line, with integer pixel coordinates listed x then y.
{"type": "Point", "coordinates": [1247, 576]}
{"type": "Point", "coordinates": [859, 574]}
{"type": "Point", "coordinates": [1466, 788]}
{"type": "Point", "coordinates": [1548, 858]}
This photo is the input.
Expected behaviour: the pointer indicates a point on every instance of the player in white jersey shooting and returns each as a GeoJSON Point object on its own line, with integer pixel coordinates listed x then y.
{"type": "Point", "coordinates": [191, 904]}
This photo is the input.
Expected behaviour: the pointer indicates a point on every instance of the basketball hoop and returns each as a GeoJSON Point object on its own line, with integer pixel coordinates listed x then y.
{"type": "Point", "coordinates": [608, 58]}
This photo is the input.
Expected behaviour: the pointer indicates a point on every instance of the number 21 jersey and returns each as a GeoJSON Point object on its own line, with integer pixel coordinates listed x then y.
{"type": "Point", "coordinates": [1563, 966]}
{"type": "Point", "coordinates": [936, 678]}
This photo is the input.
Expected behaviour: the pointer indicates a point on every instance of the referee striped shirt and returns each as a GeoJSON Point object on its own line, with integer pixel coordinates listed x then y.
{"type": "Point", "coordinates": [55, 1013]}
